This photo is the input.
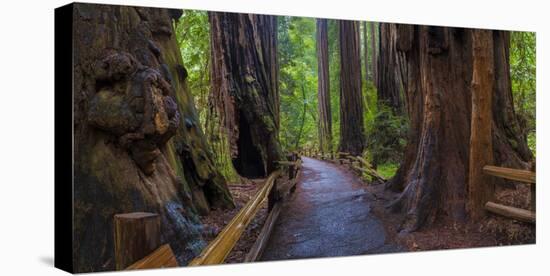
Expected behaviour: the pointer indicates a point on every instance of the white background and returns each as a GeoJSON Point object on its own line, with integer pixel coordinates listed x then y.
{"type": "Point", "coordinates": [27, 142]}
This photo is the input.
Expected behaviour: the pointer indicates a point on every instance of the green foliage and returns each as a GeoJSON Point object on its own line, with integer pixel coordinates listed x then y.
{"type": "Point", "coordinates": [193, 36]}
{"type": "Point", "coordinates": [387, 170]}
{"type": "Point", "coordinates": [297, 82]}
{"type": "Point", "coordinates": [386, 135]}
{"type": "Point", "coordinates": [523, 76]}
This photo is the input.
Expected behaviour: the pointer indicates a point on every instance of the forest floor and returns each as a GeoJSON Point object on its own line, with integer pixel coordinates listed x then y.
{"type": "Point", "coordinates": [443, 234]}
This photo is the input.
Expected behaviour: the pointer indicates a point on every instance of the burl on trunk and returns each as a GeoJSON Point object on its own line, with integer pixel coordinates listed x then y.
{"type": "Point", "coordinates": [137, 142]}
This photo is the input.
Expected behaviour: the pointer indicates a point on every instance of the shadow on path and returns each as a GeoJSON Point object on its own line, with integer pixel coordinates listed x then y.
{"type": "Point", "coordinates": [328, 215]}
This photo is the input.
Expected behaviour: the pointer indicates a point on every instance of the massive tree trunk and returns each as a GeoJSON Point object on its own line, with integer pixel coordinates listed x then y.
{"type": "Point", "coordinates": [439, 70]}
{"type": "Point", "coordinates": [509, 140]}
{"type": "Point", "coordinates": [480, 186]}
{"type": "Point", "coordinates": [352, 129]}
{"type": "Point", "coordinates": [407, 47]}
{"type": "Point", "coordinates": [387, 83]}
{"type": "Point", "coordinates": [323, 87]}
{"type": "Point", "coordinates": [138, 145]}
{"type": "Point", "coordinates": [244, 79]}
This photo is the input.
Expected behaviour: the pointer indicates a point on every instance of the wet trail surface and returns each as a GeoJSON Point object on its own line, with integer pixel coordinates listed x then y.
{"type": "Point", "coordinates": [328, 215]}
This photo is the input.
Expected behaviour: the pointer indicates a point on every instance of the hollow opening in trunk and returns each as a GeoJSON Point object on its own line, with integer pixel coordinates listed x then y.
{"type": "Point", "coordinates": [248, 162]}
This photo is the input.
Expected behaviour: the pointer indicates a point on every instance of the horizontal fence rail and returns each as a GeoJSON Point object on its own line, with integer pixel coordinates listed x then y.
{"type": "Point", "coordinates": [356, 163]}
{"type": "Point", "coordinates": [162, 257]}
{"type": "Point", "coordinates": [219, 248]}
{"type": "Point", "coordinates": [278, 194]}
{"type": "Point", "coordinates": [511, 212]}
{"type": "Point", "coordinates": [525, 176]}
{"type": "Point", "coordinates": [511, 174]}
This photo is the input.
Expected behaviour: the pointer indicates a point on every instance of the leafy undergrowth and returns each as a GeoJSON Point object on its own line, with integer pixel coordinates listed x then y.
{"type": "Point", "coordinates": [387, 170]}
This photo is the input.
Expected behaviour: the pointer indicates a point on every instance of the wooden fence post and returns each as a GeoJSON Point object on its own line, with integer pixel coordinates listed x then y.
{"type": "Point", "coordinates": [273, 196]}
{"type": "Point", "coordinates": [533, 198]}
{"type": "Point", "coordinates": [136, 236]}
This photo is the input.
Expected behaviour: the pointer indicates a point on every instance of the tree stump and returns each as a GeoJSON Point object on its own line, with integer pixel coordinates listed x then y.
{"type": "Point", "coordinates": [136, 236]}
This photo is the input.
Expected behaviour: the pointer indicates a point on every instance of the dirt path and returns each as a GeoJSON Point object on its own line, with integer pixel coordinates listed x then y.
{"type": "Point", "coordinates": [328, 215]}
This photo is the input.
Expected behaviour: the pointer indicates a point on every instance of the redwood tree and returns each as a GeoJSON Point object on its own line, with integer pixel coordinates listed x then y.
{"type": "Point", "coordinates": [244, 79]}
{"type": "Point", "coordinates": [373, 48]}
{"type": "Point", "coordinates": [387, 82]}
{"type": "Point", "coordinates": [352, 130]}
{"type": "Point", "coordinates": [480, 186]}
{"type": "Point", "coordinates": [138, 144]}
{"type": "Point", "coordinates": [323, 87]}
{"type": "Point", "coordinates": [439, 70]}
{"type": "Point", "coordinates": [366, 50]}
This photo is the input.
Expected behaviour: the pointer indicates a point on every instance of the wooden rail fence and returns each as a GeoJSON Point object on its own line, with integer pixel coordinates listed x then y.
{"type": "Point", "coordinates": [524, 176]}
{"type": "Point", "coordinates": [137, 235]}
{"type": "Point", "coordinates": [356, 163]}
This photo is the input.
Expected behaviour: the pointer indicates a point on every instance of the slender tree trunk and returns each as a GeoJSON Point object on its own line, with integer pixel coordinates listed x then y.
{"type": "Point", "coordinates": [480, 186]}
{"type": "Point", "coordinates": [439, 69]}
{"type": "Point", "coordinates": [366, 50]}
{"type": "Point", "coordinates": [323, 87]}
{"type": "Point", "coordinates": [301, 131]}
{"type": "Point", "coordinates": [244, 78]}
{"type": "Point", "coordinates": [352, 134]}
{"type": "Point", "coordinates": [388, 87]}
{"type": "Point", "coordinates": [374, 55]}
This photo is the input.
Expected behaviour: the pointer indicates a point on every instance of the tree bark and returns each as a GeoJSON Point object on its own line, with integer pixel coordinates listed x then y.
{"type": "Point", "coordinates": [374, 55]}
{"type": "Point", "coordinates": [407, 44]}
{"type": "Point", "coordinates": [323, 87]}
{"type": "Point", "coordinates": [366, 50]}
{"type": "Point", "coordinates": [509, 140]}
{"type": "Point", "coordinates": [352, 133]}
{"type": "Point", "coordinates": [302, 124]}
{"type": "Point", "coordinates": [388, 85]}
{"type": "Point", "coordinates": [480, 186]}
{"type": "Point", "coordinates": [244, 79]}
{"type": "Point", "coordinates": [138, 144]}
{"type": "Point", "coordinates": [438, 70]}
